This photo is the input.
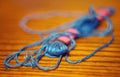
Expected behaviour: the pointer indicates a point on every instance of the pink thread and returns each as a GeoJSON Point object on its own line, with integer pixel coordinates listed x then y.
{"type": "Point", "coordinates": [64, 39]}
{"type": "Point", "coordinates": [103, 12]}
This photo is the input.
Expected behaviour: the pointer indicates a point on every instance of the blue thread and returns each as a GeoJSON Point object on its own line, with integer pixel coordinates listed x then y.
{"type": "Point", "coordinates": [52, 47]}
{"type": "Point", "coordinates": [56, 48]}
{"type": "Point", "coordinates": [91, 54]}
{"type": "Point", "coordinates": [16, 54]}
{"type": "Point", "coordinates": [64, 26]}
{"type": "Point", "coordinates": [86, 25]}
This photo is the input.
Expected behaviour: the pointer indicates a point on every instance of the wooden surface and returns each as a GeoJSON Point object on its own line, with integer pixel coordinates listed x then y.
{"type": "Point", "coordinates": [105, 63]}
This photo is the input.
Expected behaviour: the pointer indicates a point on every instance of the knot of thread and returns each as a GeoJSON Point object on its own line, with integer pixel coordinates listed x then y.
{"type": "Point", "coordinates": [53, 46]}
{"type": "Point", "coordinates": [56, 48]}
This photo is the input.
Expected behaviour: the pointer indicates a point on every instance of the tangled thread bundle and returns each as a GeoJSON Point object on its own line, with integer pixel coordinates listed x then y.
{"type": "Point", "coordinates": [60, 44]}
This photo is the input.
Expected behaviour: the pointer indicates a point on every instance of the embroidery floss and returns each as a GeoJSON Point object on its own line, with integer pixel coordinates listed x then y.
{"type": "Point", "coordinates": [60, 44]}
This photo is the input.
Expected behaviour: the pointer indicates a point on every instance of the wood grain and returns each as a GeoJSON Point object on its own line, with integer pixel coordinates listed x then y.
{"type": "Point", "coordinates": [105, 63]}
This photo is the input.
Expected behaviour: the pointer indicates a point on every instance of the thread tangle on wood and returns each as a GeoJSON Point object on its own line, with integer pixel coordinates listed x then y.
{"type": "Point", "coordinates": [61, 43]}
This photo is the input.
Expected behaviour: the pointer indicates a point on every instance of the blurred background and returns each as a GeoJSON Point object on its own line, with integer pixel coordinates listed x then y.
{"type": "Point", "coordinates": [105, 63]}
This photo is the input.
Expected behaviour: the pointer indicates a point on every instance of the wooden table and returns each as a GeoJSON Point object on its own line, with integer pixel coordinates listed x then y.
{"type": "Point", "coordinates": [105, 63]}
